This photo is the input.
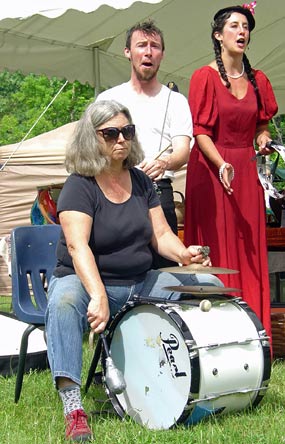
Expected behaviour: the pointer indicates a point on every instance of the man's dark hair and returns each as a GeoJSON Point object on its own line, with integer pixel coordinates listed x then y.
{"type": "Point", "coordinates": [148, 27]}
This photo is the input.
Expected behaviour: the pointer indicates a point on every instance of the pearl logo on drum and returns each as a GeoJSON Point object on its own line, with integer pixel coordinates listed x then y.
{"type": "Point", "coordinates": [169, 346]}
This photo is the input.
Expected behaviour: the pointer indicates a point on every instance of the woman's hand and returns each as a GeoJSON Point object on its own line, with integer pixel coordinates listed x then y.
{"type": "Point", "coordinates": [262, 137]}
{"type": "Point", "coordinates": [196, 254]}
{"type": "Point", "coordinates": [226, 175]}
{"type": "Point", "coordinates": [225, 170]}
{"type": "Point", "coordinates": [262, 148]}
{"type": "Point", "coordinates": [98, 313]}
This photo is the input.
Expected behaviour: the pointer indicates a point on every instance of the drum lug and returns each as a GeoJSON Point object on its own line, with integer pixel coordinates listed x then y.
{"type": "Point", "coordinates": [264, 338]}
{"type": "Point", "coordinates": [192, 348]}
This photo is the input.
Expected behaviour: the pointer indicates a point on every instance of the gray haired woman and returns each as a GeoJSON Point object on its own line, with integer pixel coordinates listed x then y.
{"type": "Point", "coordinates": [85, 155]}
{"type": "Point", "coordinates": [110, 214]}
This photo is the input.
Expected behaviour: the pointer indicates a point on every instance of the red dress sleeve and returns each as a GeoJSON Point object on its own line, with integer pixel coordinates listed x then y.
{"type": "Point", "coordinates": [202, 101]}
{"type": "Point", "coordinates": [269, 105]}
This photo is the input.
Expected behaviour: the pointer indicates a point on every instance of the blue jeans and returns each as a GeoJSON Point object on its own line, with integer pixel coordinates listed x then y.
{"type": "Point", "coordinates": [66, 315]}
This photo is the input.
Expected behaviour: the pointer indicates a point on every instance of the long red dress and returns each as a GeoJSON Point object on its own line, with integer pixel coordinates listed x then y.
{"type": "Point", "coordinates": [233, 226]}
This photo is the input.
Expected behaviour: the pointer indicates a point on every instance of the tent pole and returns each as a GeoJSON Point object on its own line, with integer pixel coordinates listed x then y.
{"type": "Point", "coordinates": [96, 66]}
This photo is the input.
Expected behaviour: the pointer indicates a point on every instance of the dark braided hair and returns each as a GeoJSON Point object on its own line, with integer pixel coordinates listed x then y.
{"type": "Point", "coordinates": [218, 26]}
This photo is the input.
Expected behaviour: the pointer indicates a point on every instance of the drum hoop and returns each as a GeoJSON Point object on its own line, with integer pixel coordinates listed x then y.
{"type": "Point", "coordinates": [265, 349]}
{"type": "Point", "coordinates": [194, 357]}
{"type": "Point", "coordinates": [188, 339]}
{"type": "Point", "coordinates": [110, 332]}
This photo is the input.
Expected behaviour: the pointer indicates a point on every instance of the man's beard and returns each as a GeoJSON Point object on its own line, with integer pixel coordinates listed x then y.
{"type": "Point", "coordinates": [145, 75]}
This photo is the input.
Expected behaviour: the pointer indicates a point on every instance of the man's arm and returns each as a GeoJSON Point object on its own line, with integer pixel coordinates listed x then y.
{"type": "Point", "coordinates": [180, 154]}
{"type": "Point", "coordinates": [155, 169]}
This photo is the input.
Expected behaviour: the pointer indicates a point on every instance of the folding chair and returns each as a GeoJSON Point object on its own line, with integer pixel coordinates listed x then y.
{"type": "Point", "coordinates": [33, 260]}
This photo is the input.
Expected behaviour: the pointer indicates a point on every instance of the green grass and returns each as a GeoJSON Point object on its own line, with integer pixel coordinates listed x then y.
{"type": "Point", "coordinates": [5, 303]}
{"type": "Point", "coordinates": [38, 417]}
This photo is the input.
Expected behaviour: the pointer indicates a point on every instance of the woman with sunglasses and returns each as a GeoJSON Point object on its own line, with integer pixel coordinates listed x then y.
{"type": "Point", "coordinates": [110, 215]}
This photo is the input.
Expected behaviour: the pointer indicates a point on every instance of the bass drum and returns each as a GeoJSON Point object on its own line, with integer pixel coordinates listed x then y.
{"type": "Point", "coordinates": [182, 363]}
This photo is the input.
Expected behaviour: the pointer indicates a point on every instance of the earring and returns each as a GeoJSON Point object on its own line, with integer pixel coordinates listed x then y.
{"type": "Point", "coordinates": [221, 45]}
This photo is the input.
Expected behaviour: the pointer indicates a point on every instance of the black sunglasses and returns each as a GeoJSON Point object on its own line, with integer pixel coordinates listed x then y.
{"type": "Point", "coordinates": [113, 133]}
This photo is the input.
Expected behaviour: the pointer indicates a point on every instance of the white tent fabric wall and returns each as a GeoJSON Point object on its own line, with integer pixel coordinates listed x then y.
{"type": "Point", "coordinates": [38, 162]}
{"type": "Point", "coordinates": [88, 46]}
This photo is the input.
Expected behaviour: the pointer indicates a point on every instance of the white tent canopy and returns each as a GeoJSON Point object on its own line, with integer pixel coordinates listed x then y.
{"type": "Point", "coordinates": [84, 39]}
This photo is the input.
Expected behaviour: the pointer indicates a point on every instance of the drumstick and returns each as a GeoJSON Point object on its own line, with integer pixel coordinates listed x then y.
{"type": "Point", "coordinates": [114, 378]}
{"type": "Point", "coordinates": [161, 152]}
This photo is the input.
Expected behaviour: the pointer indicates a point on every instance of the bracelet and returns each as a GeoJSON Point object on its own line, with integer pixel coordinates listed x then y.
{"type": "Point", "coordinates": [221, 170]}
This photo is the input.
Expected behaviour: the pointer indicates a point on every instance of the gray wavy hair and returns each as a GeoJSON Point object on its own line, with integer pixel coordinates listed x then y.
{"type": "Point", "coordinates": [84, 155]}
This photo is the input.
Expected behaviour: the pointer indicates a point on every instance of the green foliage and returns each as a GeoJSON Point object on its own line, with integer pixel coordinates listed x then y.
{"type": "Point", "coordinates": [277, 131]}
{"type": "Point", "coordinates": [277, 128]}
{"type": "Point", "coordinates": [24, 98]}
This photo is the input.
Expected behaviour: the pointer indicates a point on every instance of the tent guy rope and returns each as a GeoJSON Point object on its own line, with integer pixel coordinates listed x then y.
{"type": "Point", "coordinates": [33, 126]}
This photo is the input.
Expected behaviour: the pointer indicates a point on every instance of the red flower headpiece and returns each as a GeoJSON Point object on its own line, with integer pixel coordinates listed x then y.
{"type": "Point", "coordinates": [250, 6]}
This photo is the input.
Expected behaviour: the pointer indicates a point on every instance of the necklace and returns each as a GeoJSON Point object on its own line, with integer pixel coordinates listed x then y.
{"type": "Point", "coordinates": [237, 76]}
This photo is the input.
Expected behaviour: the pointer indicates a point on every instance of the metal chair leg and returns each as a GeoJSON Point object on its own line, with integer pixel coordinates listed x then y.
{"type": "Point", "coordinates": [22, 360]}
{"type": "Point", "coordinates": [94, 364]}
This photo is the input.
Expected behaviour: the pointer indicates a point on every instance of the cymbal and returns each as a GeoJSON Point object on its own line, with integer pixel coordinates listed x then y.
{"type": "Point", "coordinates": [204, 289]}
{"type": "Point", "coordinates": [198, 269]}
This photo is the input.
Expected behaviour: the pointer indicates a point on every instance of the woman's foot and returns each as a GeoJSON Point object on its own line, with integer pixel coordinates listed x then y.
{"type": "Point", "coordinates": [77, 429]}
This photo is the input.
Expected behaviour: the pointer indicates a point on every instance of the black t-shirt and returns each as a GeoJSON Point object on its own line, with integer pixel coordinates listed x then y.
{"type": "Point", "coordinates": [120, 234]}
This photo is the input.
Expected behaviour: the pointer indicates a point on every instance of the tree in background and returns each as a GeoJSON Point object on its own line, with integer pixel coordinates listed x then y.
{"type": "Point", "coordinates": [277, 131]}
{"type": "Point", "coordinates": [24, 98]}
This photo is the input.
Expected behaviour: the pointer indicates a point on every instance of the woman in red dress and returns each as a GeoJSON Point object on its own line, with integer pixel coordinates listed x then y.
{"type": "Point", "coordinates": [231, 104]}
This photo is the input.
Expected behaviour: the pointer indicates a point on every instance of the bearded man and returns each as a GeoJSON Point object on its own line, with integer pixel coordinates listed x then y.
{"type": "Point", "coordinates": [162, 116]}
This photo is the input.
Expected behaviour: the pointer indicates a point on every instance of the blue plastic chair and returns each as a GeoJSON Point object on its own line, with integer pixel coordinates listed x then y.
{"type": "Point", "coordinates": [33, 260]}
